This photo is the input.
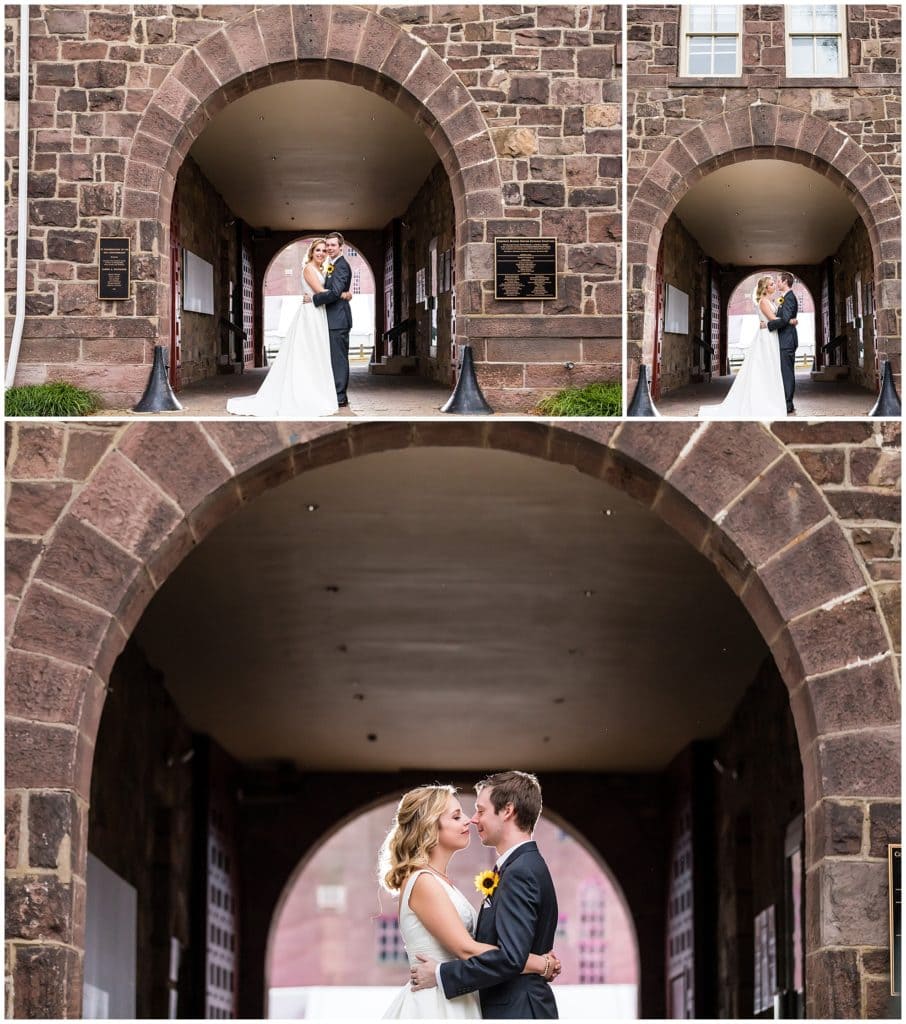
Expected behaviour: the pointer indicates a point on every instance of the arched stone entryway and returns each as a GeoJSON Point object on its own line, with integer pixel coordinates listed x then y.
{"type": "Point", "coordinates": [100, 515]}
{"type": "Point", "coordinates": [759, 131]}
{"type": "Point", "coordinates": [339, 43]}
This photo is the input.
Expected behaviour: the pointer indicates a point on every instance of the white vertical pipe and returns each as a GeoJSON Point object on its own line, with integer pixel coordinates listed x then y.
{"type": "Point", "coordinates": [22, 239]}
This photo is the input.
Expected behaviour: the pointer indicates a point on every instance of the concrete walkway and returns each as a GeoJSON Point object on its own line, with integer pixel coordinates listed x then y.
{"type": "Point", "coordinates": [814, 399]}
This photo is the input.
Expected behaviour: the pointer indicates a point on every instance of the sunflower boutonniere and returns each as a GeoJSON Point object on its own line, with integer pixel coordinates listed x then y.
{"type": "Point", "coordinates": [486, 883]}
{"type": "Point", "coordinates": [780, 301]}
{"type": "Point", "coordinates": [328, 268]}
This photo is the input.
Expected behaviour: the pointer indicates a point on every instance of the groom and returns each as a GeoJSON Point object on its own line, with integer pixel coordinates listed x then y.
{"type": "Point", "coordinates": [519, 915]}
{"type": "Point", "coordinates": [339, 314]}
{"type": "Point", "coordinates": [788, 337]}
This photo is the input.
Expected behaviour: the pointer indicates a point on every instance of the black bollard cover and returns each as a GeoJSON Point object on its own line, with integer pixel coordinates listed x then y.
{"type": "Point", "coordinates": [888, 403]}
{"type": "Point", "coordinates": [467, 399]}
{"type": "Point", "coordinates": [641, 404]}
{"type": "Point", "coordinates": [158, 396]}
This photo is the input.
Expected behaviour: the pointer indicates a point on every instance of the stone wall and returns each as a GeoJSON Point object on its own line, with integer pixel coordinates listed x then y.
{"type": "Point", "coordinates": [854, 257]}
{"type": "Point", "coordinates": [120, 94]}
{"type": "Point", "coordinates": [140, 823]}
{"type": "Point", "coordinates": [686, 268]}
{"type": "Point", "coordinates": [203, 230]}
{"type": "Point", "coordinates": [865, 105]}
{"type": "Point", "coordinates": [758, 793]}
{"type": "Point", "coordinates": [430, 215]}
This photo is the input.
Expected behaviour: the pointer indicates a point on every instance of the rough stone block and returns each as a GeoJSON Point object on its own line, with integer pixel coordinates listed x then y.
{"type": "Point", "coordinates": [46, 976]}
{"type": "Point", "coordinates": [782, 505]}
{"type": "Point", "coordinates": [189, 479]}
{"type": "Point", "coordinates": [84, 562]}
{"type": "Point", "coordinates": [885, 827]}
{"type": "Point", "coordinates": [834, 989]}
{"type": "Point", "coordinates": [722, 463]}
{"type": "Point", "coordinates": [813, 571]}
{"type": "Point", "coordinates": [33, 508]}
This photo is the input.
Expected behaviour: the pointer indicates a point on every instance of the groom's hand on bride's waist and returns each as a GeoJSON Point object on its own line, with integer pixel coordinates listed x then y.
{"type": "Point", "coordinates": [423, 974]}
{"type": "Point", "coordinates": [306, 297]}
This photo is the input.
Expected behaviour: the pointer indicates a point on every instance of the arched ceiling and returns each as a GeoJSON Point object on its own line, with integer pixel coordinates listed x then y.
{"type": "Point", "coordinates": [766, 212]}
{"type": "Point", "coordinates": [467, 608]}
{"type": "Point", "coordinates": [314, 153]}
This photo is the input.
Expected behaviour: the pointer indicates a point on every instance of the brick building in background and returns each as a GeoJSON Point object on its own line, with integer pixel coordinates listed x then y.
{"type": "Point", "coordinates": [202, 128]}
{"type": "Point", "coordinates": [762, 136]}
{"type": "Point", "coordinates": [336, 927]}
{"type": "Point", "coordinates": [212, 667]}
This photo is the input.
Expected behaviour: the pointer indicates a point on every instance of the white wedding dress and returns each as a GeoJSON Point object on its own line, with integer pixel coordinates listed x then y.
{"type": "Point", "coordinates": [757, 391]}
{"type": "Point", "coordinates": [431, 1003]}
{"type": "Point", "coordinates": [300, 384]}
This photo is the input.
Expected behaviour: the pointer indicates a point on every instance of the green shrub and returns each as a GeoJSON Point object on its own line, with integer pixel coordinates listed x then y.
{"type": "Point", "coordinates": [55, 398]}
{"type": "Point", "coordinates": [605, 399]}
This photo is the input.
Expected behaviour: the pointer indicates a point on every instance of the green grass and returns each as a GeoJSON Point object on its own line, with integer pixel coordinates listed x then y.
{"type": "Point", "coordinates": [55, 398]}
{"type": "Point", "coordinates": [592, 400]}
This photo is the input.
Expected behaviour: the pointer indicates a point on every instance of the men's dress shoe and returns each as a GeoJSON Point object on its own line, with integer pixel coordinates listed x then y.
{"type": "Point", "coordinates": [343, 403]}
{"type": "Point", "coordinates": [791, 410]}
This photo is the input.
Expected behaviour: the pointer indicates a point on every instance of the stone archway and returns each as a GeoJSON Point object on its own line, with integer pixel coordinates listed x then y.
{"type": "Point", "coordinates": [342, 43]}
{"type": "Point", "coordinates": [760, 131]}
{"type": "Point", "coordinates": [100, 515]}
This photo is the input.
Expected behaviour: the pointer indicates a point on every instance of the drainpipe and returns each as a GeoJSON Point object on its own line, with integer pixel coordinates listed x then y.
{"type": "Point", "coordinates": [22, 238]}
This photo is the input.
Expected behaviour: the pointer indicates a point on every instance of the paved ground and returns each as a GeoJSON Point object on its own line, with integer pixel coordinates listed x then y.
{"type": "Point", "coordinates": [813, 398]}
{"type": "Point", "coordinates": [373, 395]}
{"type": "Point", "coordinates": [369, 395]}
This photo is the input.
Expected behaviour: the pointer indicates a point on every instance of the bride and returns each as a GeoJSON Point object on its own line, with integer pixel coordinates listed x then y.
{"type": "Point", "coordinates": [757, 391]}
{"type": "Point", "coordinates": [435, 919]}
{"type": "Point", "coordinates": [300, 384]}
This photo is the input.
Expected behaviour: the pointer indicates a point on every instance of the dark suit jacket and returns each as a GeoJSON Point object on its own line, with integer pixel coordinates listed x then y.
{"type": "Point", "coordinates": [520, 918]}
{"type": "Point", "coordinates": [339, 315]}
{"type": "Point", "coordinates": [787, 336]}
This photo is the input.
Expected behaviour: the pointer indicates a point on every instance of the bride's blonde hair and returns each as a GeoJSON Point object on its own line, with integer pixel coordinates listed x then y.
{"type": "Point", "coordinates": [761, 287]}
{"type": "Point", "coordinates": [412, 835]}
{"type": "Point", "coordinates": [311, 249]}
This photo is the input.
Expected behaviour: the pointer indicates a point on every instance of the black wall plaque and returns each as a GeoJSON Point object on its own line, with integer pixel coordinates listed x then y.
{"type": "Point", "coordinates": [895, 880]}
{"type": "Point", "coordinates": [113, 276]}
{"type": "Point", "coordinates": [525, 268]}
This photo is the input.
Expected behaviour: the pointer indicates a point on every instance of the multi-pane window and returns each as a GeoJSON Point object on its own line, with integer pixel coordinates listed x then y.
{"type": "Point", "coordinates": [711, 40]}
{"type": "Point", "coordinates": [816, 43]}
{"type": "Point", "coordinates": [592, 947]}
{"type": "Point", "coordinates": [389, 942]}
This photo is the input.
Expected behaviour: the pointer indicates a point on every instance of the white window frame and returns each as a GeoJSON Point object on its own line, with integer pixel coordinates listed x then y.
{"type": "Point", "coordinates": [842, 51]}
{"type": "Point", "coordinates": [685, 34]}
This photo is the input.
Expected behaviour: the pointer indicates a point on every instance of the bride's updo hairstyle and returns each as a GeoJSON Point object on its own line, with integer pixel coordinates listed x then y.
{"type": "Point", "coordinates": [412, 835]}
{"type": "Point", "coordinates": [311, 249]}
{"type": "Point", "coordinates": [760, 288]}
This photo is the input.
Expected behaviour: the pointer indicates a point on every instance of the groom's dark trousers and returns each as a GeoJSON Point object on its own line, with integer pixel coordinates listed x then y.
{"type": "Point", "coordinates": [339, 322]}
{"type": "Point", "coordinates": [519, 918]}
{"type": "Point", "coordinates": [788, 340]}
